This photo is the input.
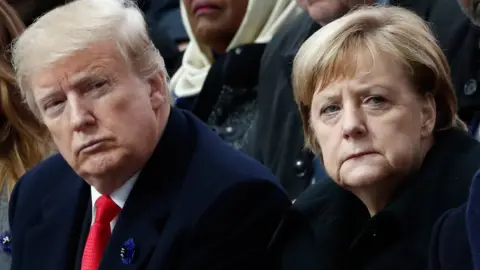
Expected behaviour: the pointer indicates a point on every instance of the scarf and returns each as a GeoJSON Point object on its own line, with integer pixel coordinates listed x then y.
{"type": "Point", "coordinates": [262, 19]}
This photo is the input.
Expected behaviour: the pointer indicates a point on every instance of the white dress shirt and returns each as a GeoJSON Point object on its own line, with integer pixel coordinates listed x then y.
{"type": "Point", "coordinates": [119, 196]}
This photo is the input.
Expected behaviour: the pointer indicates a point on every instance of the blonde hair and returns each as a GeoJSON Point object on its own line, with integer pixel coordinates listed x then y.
{"type": "Point", "coordinates": [76, 26]}
{"type": "Point", "coordinates": [24, 142]}
{"type": "Point", "coordinates": [335, 50]}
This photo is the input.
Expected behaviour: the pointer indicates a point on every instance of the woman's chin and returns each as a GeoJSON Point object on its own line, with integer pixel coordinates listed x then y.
{"type": "Point", "coordinates": [362, 176]}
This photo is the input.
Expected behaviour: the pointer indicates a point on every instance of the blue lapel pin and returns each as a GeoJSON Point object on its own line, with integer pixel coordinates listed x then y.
{"type": "Point", "coordinates": [6, 242]}
{"type": "Point", "coordinates": [127, 251]}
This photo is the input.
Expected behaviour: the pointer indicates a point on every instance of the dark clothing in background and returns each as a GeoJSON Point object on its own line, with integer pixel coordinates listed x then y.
{"type": "Point", "coordinates": [450, 247]}
{"type": "Point", "coordinates": [460, 40]}
{"type": "Point", "coordinates": [167, 15]}
{"type": "Point", "coordinates": [227, 101]}
{"type": "Point", "coordinates": [276, 137]}
{"type": "Point", "coordinates": [166, 29]}
{"type": "Point", "coordinates": [329, 228]}
{"type": "Point", "coordinates": [167, 47]}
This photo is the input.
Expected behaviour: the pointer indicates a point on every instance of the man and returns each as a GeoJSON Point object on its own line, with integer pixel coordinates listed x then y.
{"type": "Point", "coordinates": [276, 138]}
{"type": "Point", "coordinates": [137, 183]}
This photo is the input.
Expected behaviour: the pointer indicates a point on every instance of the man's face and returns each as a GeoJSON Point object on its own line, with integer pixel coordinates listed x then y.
{"type": "Point", "coordinates": [325, 11]}
{"type": "Point", "coordinates": [104, 119]}
{"type": "Point", "coordinates": [472, 9]}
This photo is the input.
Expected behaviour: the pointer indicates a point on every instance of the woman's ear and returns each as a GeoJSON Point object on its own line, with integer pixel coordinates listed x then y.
{"type": "Point", "coordinates": [429, 114]}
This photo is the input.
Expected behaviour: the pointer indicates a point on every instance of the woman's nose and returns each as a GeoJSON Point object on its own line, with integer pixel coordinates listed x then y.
{"type": "Point", "coordinates": [353, 123]}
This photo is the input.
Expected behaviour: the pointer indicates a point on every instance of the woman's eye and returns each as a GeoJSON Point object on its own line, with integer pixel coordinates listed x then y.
{"type": "Point", "coordinates": [330, 109]}
{"type": "Point", "coordinates": [375, 100]}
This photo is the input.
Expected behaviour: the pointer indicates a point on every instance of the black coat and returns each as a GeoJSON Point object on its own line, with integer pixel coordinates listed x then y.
{"type": "Point", "coordinates": [197, 204]}
{"type": "Point", "coordinates": [450, 247]}
{"type": "Point", "coordinates": [276, 137]}
{"type": "Point", "coordinates": [460, 40]}
{"type": "Point", "coordinates": [328, 228]}
{"type": "Point", "coordinates": [228, 99]}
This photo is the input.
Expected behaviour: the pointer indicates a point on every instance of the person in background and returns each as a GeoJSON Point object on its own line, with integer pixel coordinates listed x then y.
{"type": "Point", "coordinates": [136, 183]}
{"type": "Point", "coordinates": [460, 40]}
{"type": "Point", "coordinates": [378, 108]}
{"type": "Point", "coordinates": [276, 138]}
{"type": "Point", "coordinates": [220, 66]}
{"type": "Point", "coordinates": [166, 15]}
{"type": "Point", "coordinates": [24, 142]}
{"type": "Point", "coordinates": [166, 30]}
{"type": "Point", "coordinates": [456, 238]}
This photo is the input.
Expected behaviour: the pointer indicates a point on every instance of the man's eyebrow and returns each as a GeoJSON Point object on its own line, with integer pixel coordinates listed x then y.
{"type": "Point", "coordinates": [86, 77]}
{"type": "Point", "coordinates": [51, 91]}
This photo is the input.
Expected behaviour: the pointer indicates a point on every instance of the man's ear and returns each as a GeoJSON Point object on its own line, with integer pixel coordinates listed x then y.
{"type": "Point", "coordinates": [158, 90]}
{"type": "Point", "coordinates": [429, 114]}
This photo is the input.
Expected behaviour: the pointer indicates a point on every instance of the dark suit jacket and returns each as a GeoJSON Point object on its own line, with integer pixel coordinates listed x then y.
{"type": "Point", "coordinates": [456, 238]}
{"type": "Point", "coordinates": [197, 204]}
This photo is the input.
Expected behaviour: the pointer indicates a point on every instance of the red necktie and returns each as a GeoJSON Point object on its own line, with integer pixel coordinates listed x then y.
{"type": "Point", "coordinates": [106, 211]}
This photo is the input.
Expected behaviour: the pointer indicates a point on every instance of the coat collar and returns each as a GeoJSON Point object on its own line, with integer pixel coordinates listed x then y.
{"type": "Point", "coordinates": [54, 235]}
{"type": "Point", "coordinates": [58, 231]}
{"type": "Point", "coordinates": [338, 220]}
{"type": "Point", "coordinates": [148, 207]}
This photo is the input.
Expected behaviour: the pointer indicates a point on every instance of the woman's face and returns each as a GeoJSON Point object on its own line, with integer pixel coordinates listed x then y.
{"type": "Point", "coordinates": [215, 22]}
{"type": "Point", "coordinates": [372, 127]}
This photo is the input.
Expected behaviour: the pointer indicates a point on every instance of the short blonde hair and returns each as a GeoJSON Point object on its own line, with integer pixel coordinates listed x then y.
{"type": "Point", "coordinates": [76, 26]}
{"type": "Point", "coordinates": [333, 53]}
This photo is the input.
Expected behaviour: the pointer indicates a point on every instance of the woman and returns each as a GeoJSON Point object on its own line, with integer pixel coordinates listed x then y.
{"type": "Point", "coordinates": [23, 141]}
{"type": "Point", "coordinates": [379, 110]}
{"type": "Point", "coordinates": [221, 63]}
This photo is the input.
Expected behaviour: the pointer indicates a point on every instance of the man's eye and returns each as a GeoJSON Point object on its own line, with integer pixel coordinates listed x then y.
{"type": "Point", "coordinates": [53, 104]}
{"type": "Point", "coordinates": [98, 84]}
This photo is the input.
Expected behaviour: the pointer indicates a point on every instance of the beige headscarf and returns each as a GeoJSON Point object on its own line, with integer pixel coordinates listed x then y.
{"type": "Point", "coordinates": [262, 19]}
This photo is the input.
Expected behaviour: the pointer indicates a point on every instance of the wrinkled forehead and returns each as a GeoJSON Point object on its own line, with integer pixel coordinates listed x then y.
{"type": "Point", "coordinates": [359, 70]}
{"type": "Point", "coordinates": [348, 65]}
{"type": "Point", "coordinates": [96, 60]}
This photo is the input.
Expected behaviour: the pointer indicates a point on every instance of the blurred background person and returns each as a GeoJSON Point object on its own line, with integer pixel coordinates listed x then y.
{"type": "Point", "coordinates": [379, 110]}
{"type": "Point", "coordinates": [221, 63]}
{"type": "Point", "coordinates": [460, 40]}
{"type": "Point", "coordinates": [456, 238]}
{"type": "Point", "coordinates": [165, 14]}
{"type": "Point", "coordinates": [24, 142]}
{"type": "Point", "coordinates": [166, 30]}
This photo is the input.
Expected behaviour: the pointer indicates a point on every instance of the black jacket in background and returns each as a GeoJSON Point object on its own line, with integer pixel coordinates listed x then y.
{"type": "Point", "coordinates": [276, 138]}
{"type": "Point", "coordinates": [328, 228]}
{"type": "Point", "coordinates": [460, 40]}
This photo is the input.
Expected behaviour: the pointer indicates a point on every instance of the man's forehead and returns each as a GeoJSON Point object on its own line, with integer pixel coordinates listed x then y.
{"type": "Point", "coordinates": [72, 70]}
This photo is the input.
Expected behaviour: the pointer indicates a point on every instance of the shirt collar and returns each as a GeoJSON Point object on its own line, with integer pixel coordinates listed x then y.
{"type": "Point", "coordinates": [119, 196]}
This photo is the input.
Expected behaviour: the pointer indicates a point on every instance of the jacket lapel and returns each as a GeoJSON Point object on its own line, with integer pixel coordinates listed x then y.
{"type": "Point", "coordinates": [151, 200]}
{"type": "Point", "coordinates": [56, 234]}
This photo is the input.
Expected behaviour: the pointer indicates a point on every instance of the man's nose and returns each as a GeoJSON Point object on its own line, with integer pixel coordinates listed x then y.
{"type": "Point", "coordinates": [80, 114]}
